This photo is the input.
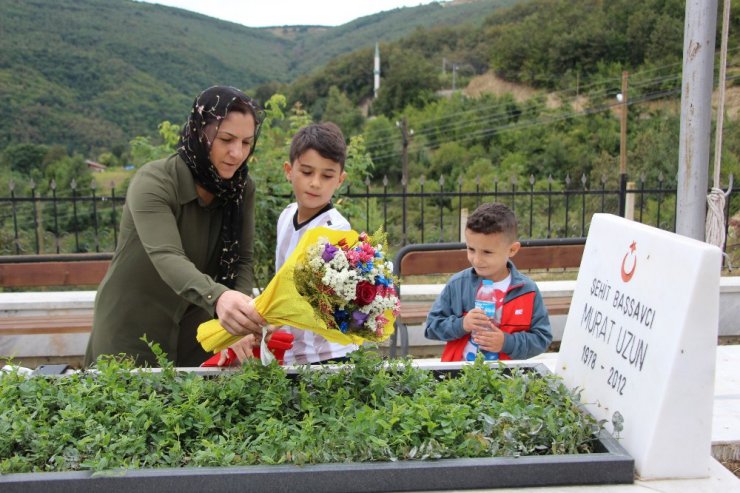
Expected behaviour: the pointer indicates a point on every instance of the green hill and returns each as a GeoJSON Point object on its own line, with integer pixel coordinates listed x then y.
{"type": "Point", "coordinates": [318, 47]}
{"type": "Point", "coordinates": [91, 74]}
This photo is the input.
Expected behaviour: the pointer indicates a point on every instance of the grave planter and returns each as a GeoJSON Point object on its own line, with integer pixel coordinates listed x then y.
{"type": "Point", "coordinates": [608, 464]}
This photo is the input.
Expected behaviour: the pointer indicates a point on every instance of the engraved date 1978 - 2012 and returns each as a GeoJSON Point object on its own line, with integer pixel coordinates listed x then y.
{"type": "Point", "coordinates": [616, 379]}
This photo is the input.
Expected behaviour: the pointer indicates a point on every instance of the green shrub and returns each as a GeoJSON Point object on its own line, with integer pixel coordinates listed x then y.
{"type": "Point", "coordinates": [117, 416]}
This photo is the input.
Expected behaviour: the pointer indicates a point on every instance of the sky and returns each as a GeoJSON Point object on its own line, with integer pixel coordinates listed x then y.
{"type": "Point", "coordinates": [261, 13]}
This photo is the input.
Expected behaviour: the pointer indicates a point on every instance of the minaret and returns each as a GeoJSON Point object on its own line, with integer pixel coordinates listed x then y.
{"type": "Point", "coordinates": [376, 72]}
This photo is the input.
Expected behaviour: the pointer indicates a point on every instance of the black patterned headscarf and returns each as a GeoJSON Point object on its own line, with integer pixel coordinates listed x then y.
{"type": "Point", "coordinates": [194, 146]}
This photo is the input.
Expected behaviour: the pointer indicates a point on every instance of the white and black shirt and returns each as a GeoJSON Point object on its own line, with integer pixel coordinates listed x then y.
{"type": "Point", "coordinates": [308, 347]}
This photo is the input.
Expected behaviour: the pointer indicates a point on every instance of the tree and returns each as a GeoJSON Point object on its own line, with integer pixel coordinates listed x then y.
{"type": "Point", "coordinates": [451, 160]}
{"type": "Point", "coordinates": [22, 158]}
{"type": "Point", "coordinates": [340, 110]}
{"type": "Point", "coordinates": [383, 142]}
{"type": "Point", "coordinates": [143, 150]}
{"type": "Point", "coordinates": [351, 74]}
{"type": "Point", "coordinates": [66, 169]}
{"type": "Point", "coordinates": [264, 92]}
{"type": "Point", "coordinates": [409, 81]}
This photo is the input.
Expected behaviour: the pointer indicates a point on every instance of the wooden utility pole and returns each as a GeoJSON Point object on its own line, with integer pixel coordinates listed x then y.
{"type": "Point", "coordinates": [405, 134]}
{"type": "Point", "coordinates": [403, 125]}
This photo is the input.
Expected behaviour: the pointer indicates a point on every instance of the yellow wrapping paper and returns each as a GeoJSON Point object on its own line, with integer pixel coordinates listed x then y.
{"type": "Point", "coordinates": [281, 303]}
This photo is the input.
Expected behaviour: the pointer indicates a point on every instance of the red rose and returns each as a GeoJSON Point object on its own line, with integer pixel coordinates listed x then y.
{"type": "Point", "coordinates": [365, 293]}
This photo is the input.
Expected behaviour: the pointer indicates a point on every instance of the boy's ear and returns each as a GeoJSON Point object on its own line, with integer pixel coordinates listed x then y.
{"type": "Point", "coordinates": [342, 178]}
{"type": "Point", "coordinates": [514, 248]}
{"type": "Point", "coordinates": [287, 168]}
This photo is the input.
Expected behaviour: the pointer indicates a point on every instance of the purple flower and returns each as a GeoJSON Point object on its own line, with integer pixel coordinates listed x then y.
{"type": "Point", "coordinates": [329, 251]}
{"type": "Point", "coordinates": [358, 318]}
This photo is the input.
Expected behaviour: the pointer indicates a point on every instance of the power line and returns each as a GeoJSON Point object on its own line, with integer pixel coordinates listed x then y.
{"type": "Point", "coordinates": [457, 116]}
{"type": "Point", "coordinates": [460, 120]}
{"type": "Point", "coordinates": [553, 119]}
{"type": "Point", "coordinates": [460, 126]}
{"type": "Point", "coordinates": [635, 82]}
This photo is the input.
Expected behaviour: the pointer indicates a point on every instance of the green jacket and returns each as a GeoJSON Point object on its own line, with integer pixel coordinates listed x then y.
{"type": "Point", "coordinates": [161, 280]}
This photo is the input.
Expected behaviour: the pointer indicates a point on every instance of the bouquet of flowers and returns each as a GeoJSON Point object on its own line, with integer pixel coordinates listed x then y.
{"type": "Point", "coordinates": [350, 287]}
{"type": "Point", "coordinates": [338, 284]}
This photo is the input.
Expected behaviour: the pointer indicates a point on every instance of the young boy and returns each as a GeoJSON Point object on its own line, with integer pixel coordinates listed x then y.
{"type": "Point", "coordinates": [524, 332]}
{"type": "Point", "coordinates": [315, 171]}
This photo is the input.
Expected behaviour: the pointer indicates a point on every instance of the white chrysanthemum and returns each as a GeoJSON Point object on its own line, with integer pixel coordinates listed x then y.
{"type": "Point", "coordinates": [384, 304]}
{"type": "Point", "coordinates": [315, 250]}
{"type": "Point", "coordinates": [339, 262]}
{"type": "Point", "coordinates": [316, 263]}
{"type": "Point", "coordinates": [344, 283]}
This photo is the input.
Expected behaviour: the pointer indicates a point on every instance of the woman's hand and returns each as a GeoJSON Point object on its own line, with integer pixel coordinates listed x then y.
{"type": "Point", "coordinates": [237, 314]}
{"type": "Point", "coordinates": [242, 348]}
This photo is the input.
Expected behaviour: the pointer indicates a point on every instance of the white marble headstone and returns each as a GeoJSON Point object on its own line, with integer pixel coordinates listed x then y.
{"type": "Point", "coordinates": [640, 342]}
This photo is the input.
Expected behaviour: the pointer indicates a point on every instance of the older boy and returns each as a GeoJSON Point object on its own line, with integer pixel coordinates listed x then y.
{"type": "Point", "coordinates": [315, 171]}
{"type": "Point", "coordinates": [524, 332]}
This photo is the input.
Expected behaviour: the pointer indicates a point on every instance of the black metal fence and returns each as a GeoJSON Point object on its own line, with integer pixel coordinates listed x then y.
{"type": "Point", "coordinates": [33, 221]}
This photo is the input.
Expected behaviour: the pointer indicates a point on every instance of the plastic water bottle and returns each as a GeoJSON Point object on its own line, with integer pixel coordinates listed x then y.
{"type": "Point", "coordinates": [485, 299]}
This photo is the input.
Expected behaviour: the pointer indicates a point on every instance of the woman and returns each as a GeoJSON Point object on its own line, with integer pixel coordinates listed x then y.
{"type": "Point", "coordinates": [185, 250]}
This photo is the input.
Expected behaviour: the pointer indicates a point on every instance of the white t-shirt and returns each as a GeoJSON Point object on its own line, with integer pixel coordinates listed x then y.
{"type": "Point", "coordinates": [308, 347]}
{"type": "Point", "coordinates": [499, 289]}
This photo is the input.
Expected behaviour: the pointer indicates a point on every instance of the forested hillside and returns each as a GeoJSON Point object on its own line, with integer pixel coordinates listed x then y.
{"type": "Point", "coordinates": [89, 73]}
{"type": "Point", "coordinates": [320, 46]}
{"type": "Point", "coordinates": [546, 44]}
{"type": "Point", "coordinates": [568, 56]}
{"type": "Point", "coordinates": [93, 74]}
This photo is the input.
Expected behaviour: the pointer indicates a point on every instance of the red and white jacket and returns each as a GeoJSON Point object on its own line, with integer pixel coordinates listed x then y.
{"type": "Point", "coordinates": [524, 318]}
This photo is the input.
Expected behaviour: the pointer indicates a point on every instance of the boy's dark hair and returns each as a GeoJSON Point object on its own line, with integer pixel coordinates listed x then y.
{"type": "Point", "coordinates": [325, 138]}
{"type": "Point", "coordinates": [493, 218]}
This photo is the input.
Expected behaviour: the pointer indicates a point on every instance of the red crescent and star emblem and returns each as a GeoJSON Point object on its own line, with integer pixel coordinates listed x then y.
{"type": "Point", "coordinates": [626, 276]}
